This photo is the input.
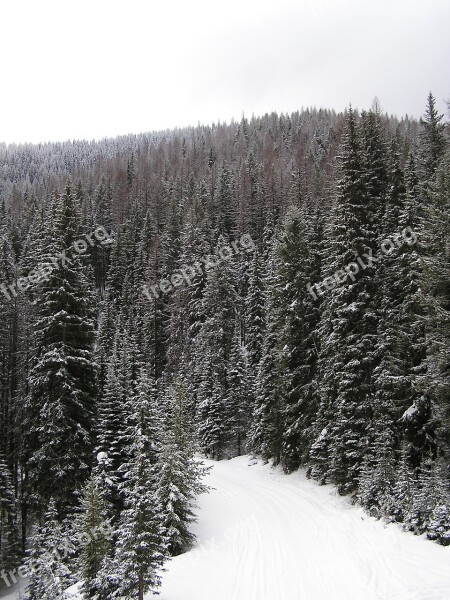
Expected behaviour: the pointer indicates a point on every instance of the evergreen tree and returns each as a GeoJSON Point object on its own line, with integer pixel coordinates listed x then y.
{"type": "Point", "coordinates": [297, 353]}
{"type": "Point", "coordinates": [255, 302]}
{"type": "Point", "coordinates": [238, 402]}
{"type": "Point", "coordinates": [114, 414]}
{"type": "Point", "coordinates": [432, 139]}
{"type": "Point", "coordinates": [60, 406]}
{"type": "Point", "coordinates": [140, 546]}
{"type": "Point", "coordinates": [404, 488]}
{"type": "Point", "coordinates": [267, 426]}
{"type": "Point", "coordinates": [47, 559]}
{"type": "Point", "coordinates": [213, 347]}
{"type": "Point", "coordinates": [9, 535]}
{"type": "Point", "coordinates": [225, 203]}
{"type": "Point", "coordinates": [93, 530]}
{"type": "Point", "coordinates": [179, 474]}
{"type": "Point", "coordinates": [429, 496]}
{"type": "Point", "coordinates": [436, 283]}
{"type": "Point", "coordinates": [348, 326]}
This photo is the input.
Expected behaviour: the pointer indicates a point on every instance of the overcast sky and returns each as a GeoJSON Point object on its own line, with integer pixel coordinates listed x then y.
{"type": "Point", "coordinates": [95, 68]}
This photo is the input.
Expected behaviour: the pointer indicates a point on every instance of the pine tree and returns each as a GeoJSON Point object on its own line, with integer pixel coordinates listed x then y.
{"type": "Point", "coordinates": [102, 218]}
{"type": "Point", "coordinates": [238, 402]}
{"type": "Point", "coordinates": [9, 305]}
{"type": "Point", "coordinates": [404, 488]}
{"type": "Point", "coordinates": [47, 559]}
{"type": "Point", "coordinates": [140, 547]}
{"type": "Point", "coordinates": [378, 471]}
{"type": "Point", "coordinates": [348, 326]}
{"type": "Point", "coordinates": [400, 342]}
{"type": "Point", "coordinates": [255, 309]}
{"type": "Point", "coordinates": [225, 205]}
{"type": "Point", "coordinates": [93, 532]}
{"type": "Point", "coordinates": [430, 494]}
{"type": "Point", "coordinates": [114, 414]}
{"type": "Point", "coordinates": [267, 426]}
{"type": "Point", "coordinates": [432, 139]}
{"type": "Point", "coordinates": [439, 525]}
{"type": "Point", "coordinates": [179, 474]}
{"type": "Point", "coordinates": [436, 283]}
{"type": "Point", "coordinates": [9, 535]}
{"type": "Point", "coordinates": [297, 353]}
{"type": "Point", "coordinates": [212, 352]}
{"type": "Point", "coordinates": [60, 406]}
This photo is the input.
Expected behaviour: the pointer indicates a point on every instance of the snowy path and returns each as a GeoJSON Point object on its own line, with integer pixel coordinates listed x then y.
{"type": "Point", "coordinates": [263, 535]}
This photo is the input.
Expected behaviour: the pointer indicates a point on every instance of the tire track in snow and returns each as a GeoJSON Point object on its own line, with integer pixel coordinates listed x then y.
{"type": "Point", "coordinates": [298, 542]}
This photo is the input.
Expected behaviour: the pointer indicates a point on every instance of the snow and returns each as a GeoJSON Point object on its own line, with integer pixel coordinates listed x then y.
{"type": "Point", "coordinates": [101, 457]}
{"type": "Point", "coordinates": [409, 413]}
{"type": "Point", "coordinates": [263, 535]}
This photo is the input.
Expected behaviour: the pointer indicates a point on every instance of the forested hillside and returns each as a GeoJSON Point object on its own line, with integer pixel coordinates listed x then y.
{"type": "Point", "coordinates": [278, 286]}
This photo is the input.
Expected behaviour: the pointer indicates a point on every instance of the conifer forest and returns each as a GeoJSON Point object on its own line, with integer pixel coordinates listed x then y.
{"type": "Point", "coordinates": [278, 286]}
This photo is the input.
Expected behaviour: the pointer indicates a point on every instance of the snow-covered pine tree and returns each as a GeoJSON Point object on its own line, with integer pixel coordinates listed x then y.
{"type": "Point", "coordinates": [92, 530]}
{"type": "Point", "coordinates": [432, 140]}
{"type": "Point", "coordinates": [47, 559]}
{"type": "Point", "coordinates": [378, 471]}
{"type": "Point", "coordinates": [187, 309]}
{"type": "Point", "coordinates": [430, 495]}
{"type": "Point", "coordinates": [255, 301]}
{"type": "Point", "coordinates": [239, 401]}
{"type": "Point", "coordinates": [9, 535]}
{"type": "Point", "coordinates": [266, 431]}
{"type": "Point", "coordinates": [140, 544]}
{"type": "Point", "coordinates": [9, 308]}
{"type": "Point", "coordinates": [404, 488]}
{"type": "Point", "coordinates": [297, 353]}
{"type": "Point", "coordinates": [436, 283]}
{"type": "Point", "coordinates": [179, 474]}
{"type": "Point", "coordinates": [114, 419]}
{"type": "Point", "coordinates": [212, 351]}
{"type": "Point", "coordinates": [102, 217]}
{"type": "Point", "coordinates": [60, 406]}
{"type": "Point", "coordinates": [349, 323]}
{"type": "Point", "coordinates": [396, 285]}
{"type": "Point", "coordinates": [225, 203]}
{"type": "Point", "coordinates": [439, 524]}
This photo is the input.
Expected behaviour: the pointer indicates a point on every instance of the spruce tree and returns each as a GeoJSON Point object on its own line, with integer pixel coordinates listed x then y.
{"type": "Point", "coordinates": [213, 346]}
{"type": "Point", "coordinates": [179, 474]}
{"type": "Point", "coordinates": [432, 139]}
{"type": "Point", "coordinates": [297, 353]}
{"type": "Point", "coordinates": [48, 558]}
{"type": "Point", "coordinates": [348, 326]}
{"type": "Point", "coordinates": [9, 535]}
{"type": "Point", "coordinates": [140, 545]}
{"type": "Point", "coordinates": [266, 431]}
{"type": "Point", "coordinates": [60, 405]}
{"type": "Point", "coordinates": [238, 403]}
{"type": "Point", "coordinates": [93, 532]}
{"type": "Point", "coordinates": [114, 414]}
{"type": "Point", "coordinates": [436, 283]}
{"type": "Point", "coordinates": [255, 301]}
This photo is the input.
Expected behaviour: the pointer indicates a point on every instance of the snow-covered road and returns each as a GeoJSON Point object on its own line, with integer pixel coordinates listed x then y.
{"type": "Point", "coordinates": [262, 535]}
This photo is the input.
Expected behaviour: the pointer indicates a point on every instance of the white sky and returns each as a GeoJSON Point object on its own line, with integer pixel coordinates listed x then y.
{"type": "Point", "coordinates": [76, 69]}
